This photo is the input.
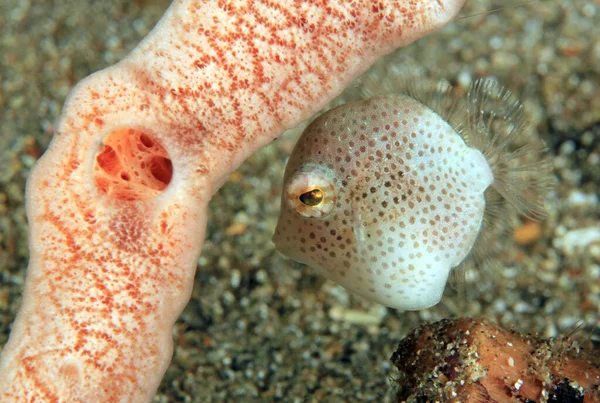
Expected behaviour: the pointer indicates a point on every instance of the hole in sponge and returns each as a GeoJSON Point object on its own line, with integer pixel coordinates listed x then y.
{"type": "Point", "coordinates": [146, 141]}
{"type": "Point", "coordinates": [162, 169]}
{"type": "Point", "coordinates": [132, 166]}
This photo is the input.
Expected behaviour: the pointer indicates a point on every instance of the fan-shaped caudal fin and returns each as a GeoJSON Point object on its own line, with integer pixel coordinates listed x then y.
{"type": "Point", "coordinates": [132, 166]}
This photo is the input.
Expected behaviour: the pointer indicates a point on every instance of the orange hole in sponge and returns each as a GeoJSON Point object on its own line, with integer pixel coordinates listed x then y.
{"type": "Point", "coordinates": [132, 166]}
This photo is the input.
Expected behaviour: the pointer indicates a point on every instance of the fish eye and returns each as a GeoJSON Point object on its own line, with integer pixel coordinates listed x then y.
{"type": "Point", "coordinates": [312, 198]}
{"type": "Point", "coordinates": [310, 191]}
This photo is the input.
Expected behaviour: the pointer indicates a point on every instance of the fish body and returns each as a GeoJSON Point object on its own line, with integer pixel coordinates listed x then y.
{"type": "Point", "coordinates": [384, 197]}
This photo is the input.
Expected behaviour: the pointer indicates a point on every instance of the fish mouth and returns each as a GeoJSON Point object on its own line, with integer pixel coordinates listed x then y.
{"type": "Point", "coordinates": [286, 248]}
{"type": "Point", "coordinates": [277, 240]}
{"type": "Point", "coordinates": [274, 240]}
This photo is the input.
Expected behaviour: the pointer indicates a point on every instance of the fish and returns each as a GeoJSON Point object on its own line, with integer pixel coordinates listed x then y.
{"type": "Point", "coordinates": [387, 194]}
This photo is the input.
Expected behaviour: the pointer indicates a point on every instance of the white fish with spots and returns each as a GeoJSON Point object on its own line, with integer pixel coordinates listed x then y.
{"type": "Point", "coordinates": [386, 195]}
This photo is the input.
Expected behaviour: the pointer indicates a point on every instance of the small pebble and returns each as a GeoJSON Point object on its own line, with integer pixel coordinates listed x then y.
{"type": "Point", "coordinates": [236, 229]}
{"type": "Point", "coordinates": [576, 241]}
{"type": "Point", "coordinates": [354, 317]}
{"type": "Point", "coordinates": [528, 233]}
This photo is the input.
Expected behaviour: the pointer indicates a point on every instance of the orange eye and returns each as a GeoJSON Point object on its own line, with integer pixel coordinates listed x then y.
{"type": "Point", "coordinates": [312, 198]}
